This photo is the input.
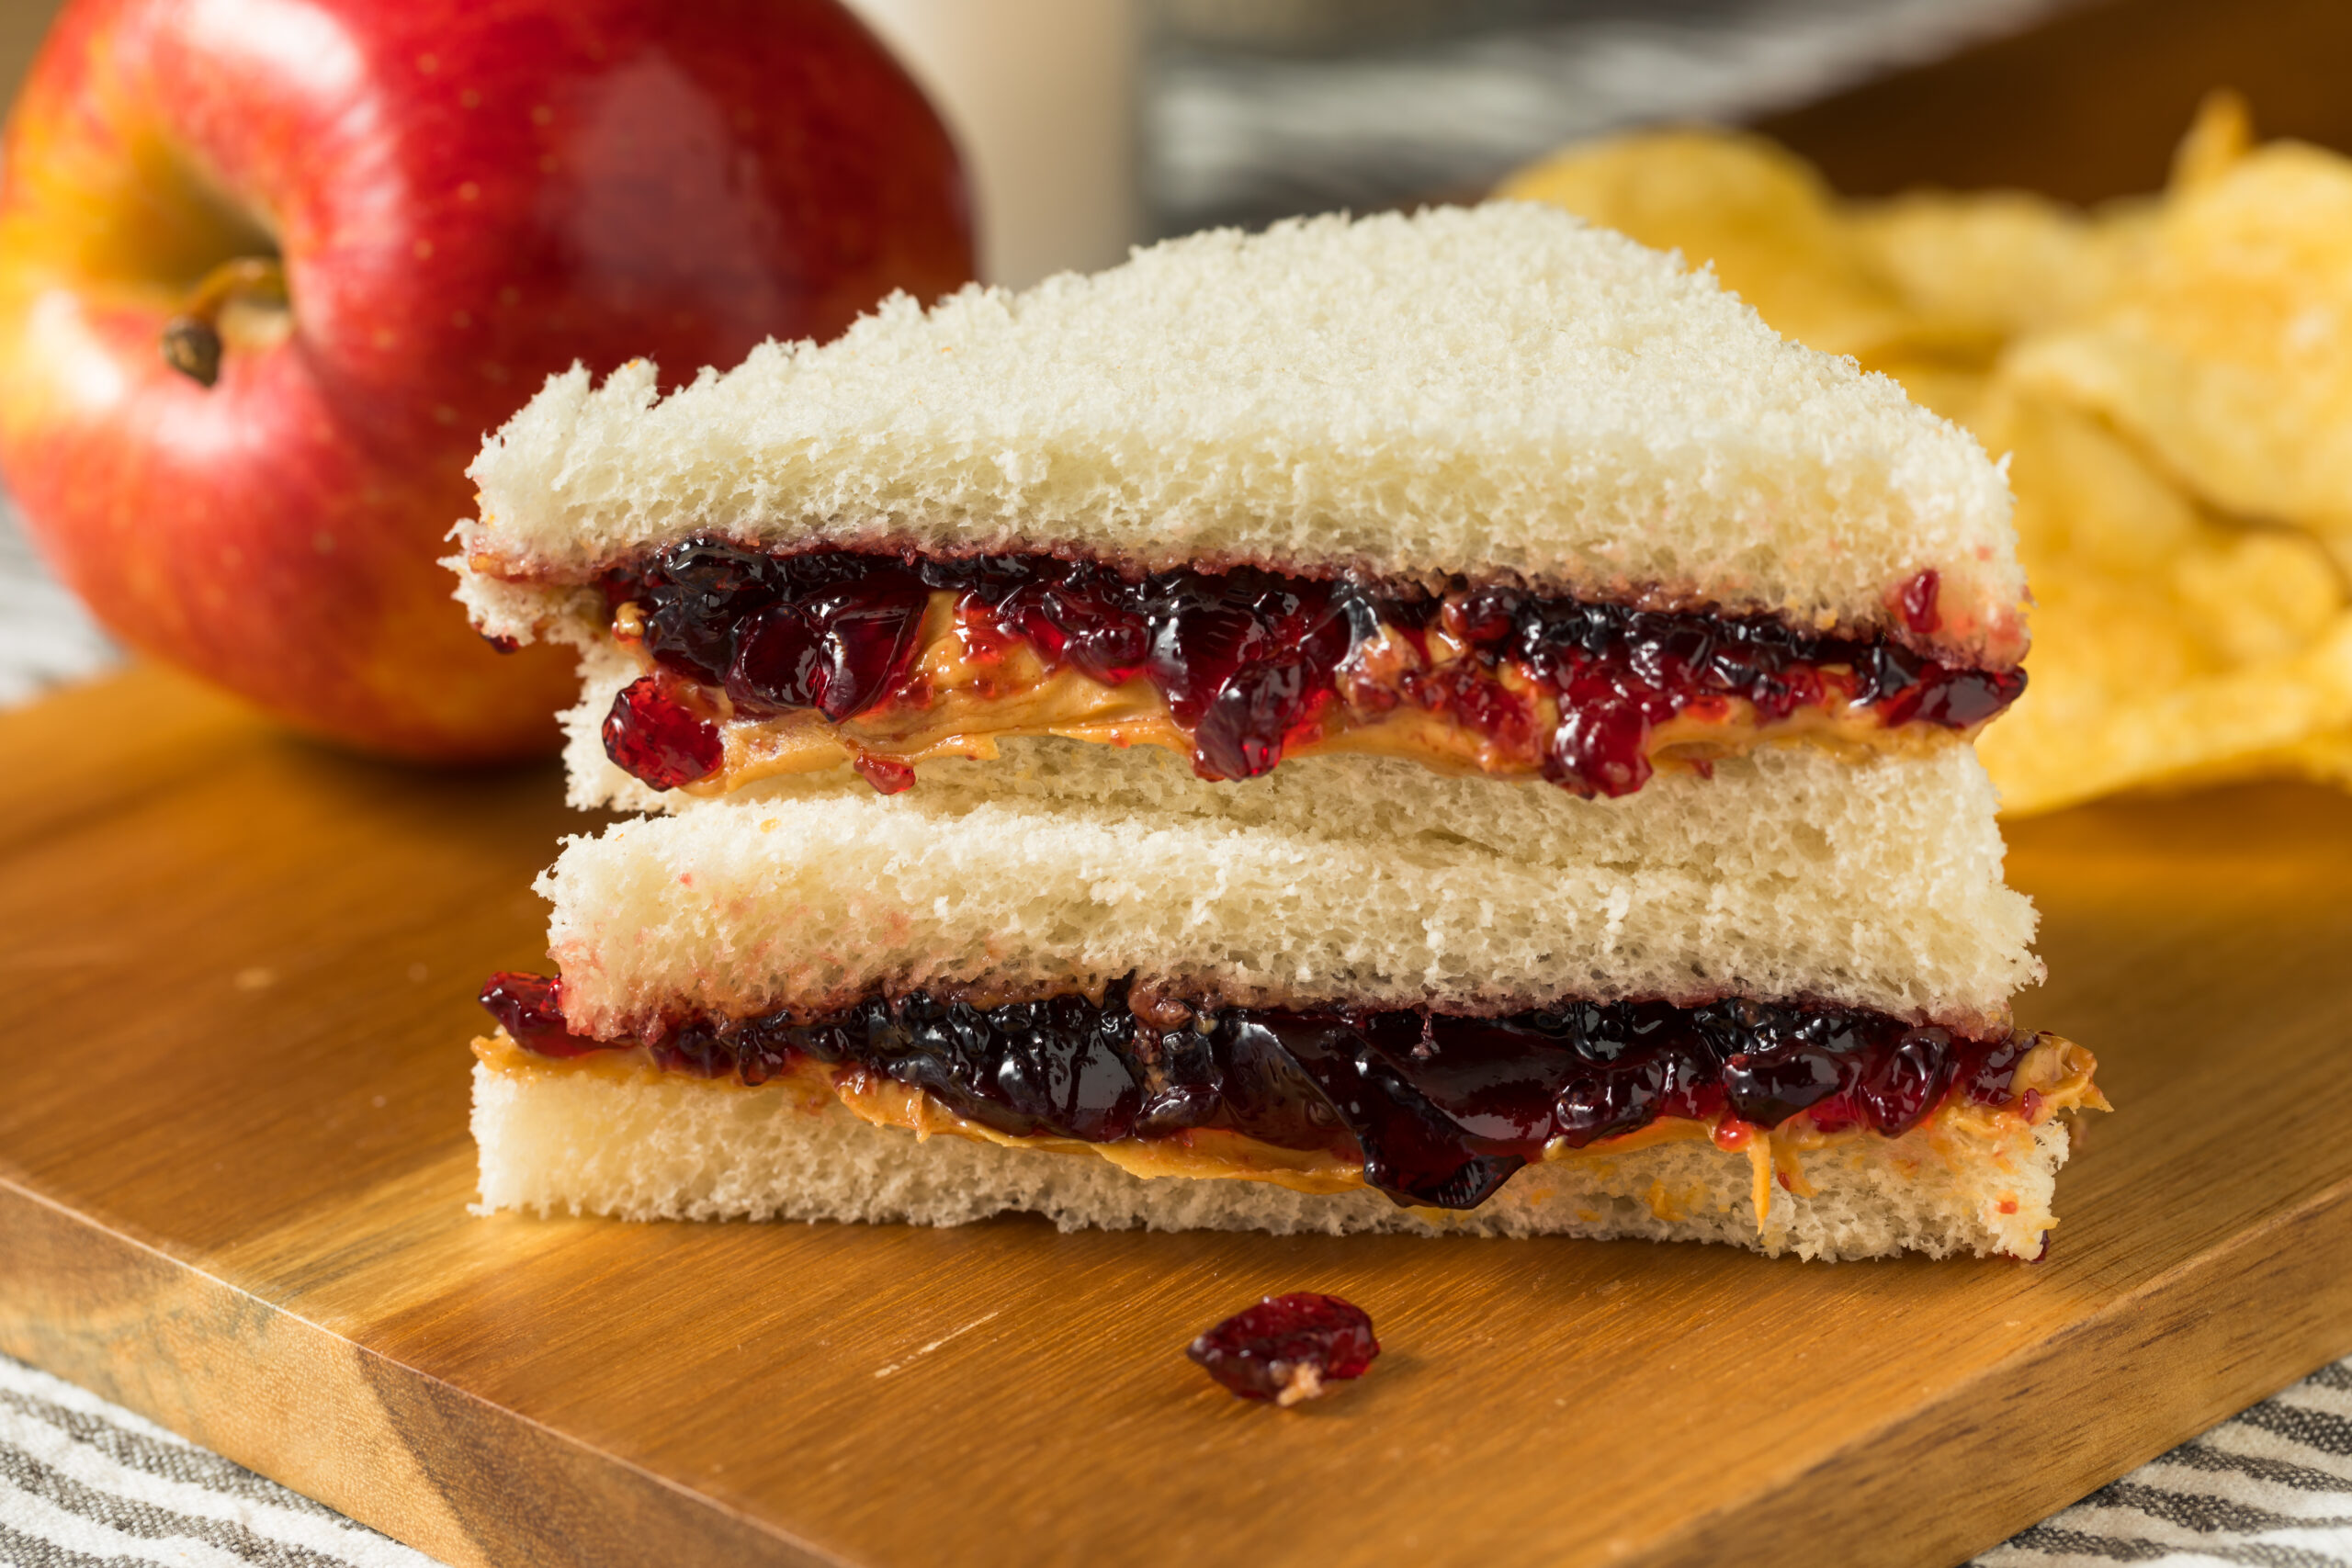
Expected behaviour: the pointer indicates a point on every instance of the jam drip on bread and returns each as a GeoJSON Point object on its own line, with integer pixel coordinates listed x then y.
{"type": "Point", "coordinates": [1440, 1109]}
{"type": "Point", "coordinates": [1240, 668]}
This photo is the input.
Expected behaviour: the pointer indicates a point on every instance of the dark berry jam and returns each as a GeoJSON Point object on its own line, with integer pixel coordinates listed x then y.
{"type": "Point", "coordinates": [530, 1008]}
{"type": "Point", "coordinates": [651, 735]}
{"type": "Point", "coordinates": [1440, 1109]}
{"type": "Point", "coordinates": [1287, 1347]}
{"type": "Point", "coordinates": [1251, 664]}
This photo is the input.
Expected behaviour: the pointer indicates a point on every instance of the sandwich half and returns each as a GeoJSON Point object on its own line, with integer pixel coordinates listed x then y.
{"type": "Point", "coordinates": [1440, 722]}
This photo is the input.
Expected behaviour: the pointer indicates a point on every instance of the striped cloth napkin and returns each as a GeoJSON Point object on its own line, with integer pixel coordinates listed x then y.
{"type": "Point", "coordinates": [87, 1485]}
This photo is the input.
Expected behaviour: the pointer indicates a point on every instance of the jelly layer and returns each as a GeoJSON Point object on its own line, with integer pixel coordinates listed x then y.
{"type": "Point", "coordinates": [759, 664]}
{"type": "Point", "coordinates": [1439, 1110]}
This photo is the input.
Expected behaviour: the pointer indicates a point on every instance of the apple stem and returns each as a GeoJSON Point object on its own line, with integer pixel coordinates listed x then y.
{"type": "Point", "coordinates": [192, 347]}
{"type": "Point", "coordinates": [191, 340]}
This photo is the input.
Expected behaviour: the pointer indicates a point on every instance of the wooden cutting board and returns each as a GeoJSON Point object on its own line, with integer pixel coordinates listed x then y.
{"type": "Point", "coordinates": [234, 1171]}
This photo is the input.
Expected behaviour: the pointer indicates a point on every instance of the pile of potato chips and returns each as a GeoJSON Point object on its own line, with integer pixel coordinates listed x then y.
{"type": "Point", "coordinates": [2172, 377]}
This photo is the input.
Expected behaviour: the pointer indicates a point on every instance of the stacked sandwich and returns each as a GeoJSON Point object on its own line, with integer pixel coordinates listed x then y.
{"type": "Point", "coordinates": [1440, 724]}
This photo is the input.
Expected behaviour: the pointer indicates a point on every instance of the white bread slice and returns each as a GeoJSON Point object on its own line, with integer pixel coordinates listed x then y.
{"type": "Point", "coordinates": [1791, 874]}
{"type": "Point", "coordinates": [1500, 391]}
{"type": "Point", "coordinates": [659, 1145]}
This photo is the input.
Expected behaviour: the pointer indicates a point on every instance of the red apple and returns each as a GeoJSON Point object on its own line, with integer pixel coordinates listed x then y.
{"type": "Point", "coordinates": [391, 219]}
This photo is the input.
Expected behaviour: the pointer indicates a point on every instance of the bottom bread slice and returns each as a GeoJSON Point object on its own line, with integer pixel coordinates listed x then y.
{"type": "Point", "coordinates": [648, 1144]}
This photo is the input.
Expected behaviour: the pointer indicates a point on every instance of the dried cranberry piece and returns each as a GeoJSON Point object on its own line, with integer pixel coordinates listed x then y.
{"type": "Point", "coordinates": [1904, 1082]}
{"type": "Point", "coordinates": [650, 737]}
{"type": "Point", "coordinates": [530, 1008]}
{"type": "Point", "coordinates": [698, 592]}
{"type": "Point", "coordinates": [1288, 1347]}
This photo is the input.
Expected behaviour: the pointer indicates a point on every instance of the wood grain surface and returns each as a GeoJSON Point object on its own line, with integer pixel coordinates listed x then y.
{"type": "Point", "coordinates": [234, 1171]}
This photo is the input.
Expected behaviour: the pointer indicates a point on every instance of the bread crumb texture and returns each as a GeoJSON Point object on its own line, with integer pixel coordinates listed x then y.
{"type": "Point", "coordinates": [1369, 880]}
{"type": "Point", "coordinates": [556, 1141]}
{"type": "Point", "coordinates": [1500, 392]}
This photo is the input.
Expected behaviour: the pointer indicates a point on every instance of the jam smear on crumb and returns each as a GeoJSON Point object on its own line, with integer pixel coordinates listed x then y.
{"type": "Point", "coordinates": [1440, 1109]}
{"type": "Point", "coordinates": [1918, 602]}
{"type": "Point", "coordinates": [1288, 1347]}
{"type": "Point", "coordinates": [1250, 662]}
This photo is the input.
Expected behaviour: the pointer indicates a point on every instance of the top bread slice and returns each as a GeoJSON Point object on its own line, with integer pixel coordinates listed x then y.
{"type": "Point", "coordinates": [1495, 393]}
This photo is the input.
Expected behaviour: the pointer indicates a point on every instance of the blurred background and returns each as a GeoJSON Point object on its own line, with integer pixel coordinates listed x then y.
{"type": "Point", "coordinates": [1094, 124]}
{"type": "Point", "coordinates": [1257, 109]}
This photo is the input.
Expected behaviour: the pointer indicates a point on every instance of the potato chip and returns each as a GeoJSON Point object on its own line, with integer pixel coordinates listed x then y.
{"type": "Point", "coordinates": [2169, 648]}
{"type": "Point", "coordinates": [2221, 135]}
{"type": "Point", "coordinates": [1976, 271]}
{"type": "Point", "coordinates": [2226, 350]}
{"type": "Point", "coordinates": [2322, 759]}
